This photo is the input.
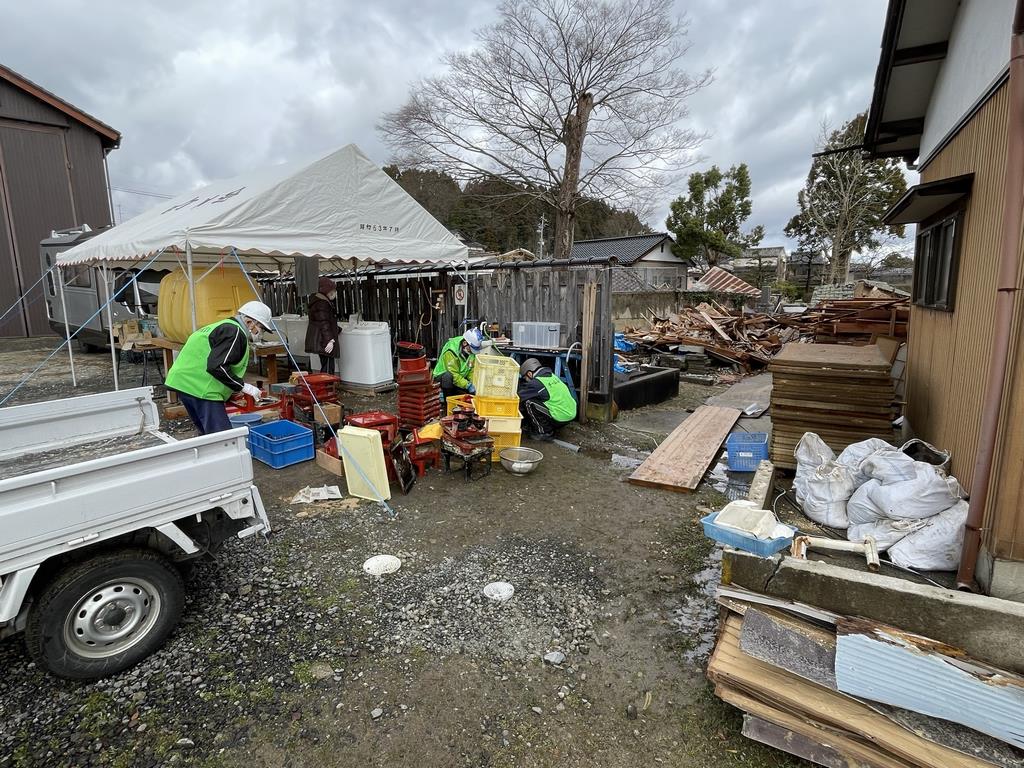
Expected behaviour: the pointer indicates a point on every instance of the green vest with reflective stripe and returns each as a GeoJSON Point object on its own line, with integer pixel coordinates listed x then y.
{"type": "Point", "coordinates": [465, 366]}
{"type": "Point", "coordinates": [189, 375]}
{"type": "Point", "coordinates": [561, 404]}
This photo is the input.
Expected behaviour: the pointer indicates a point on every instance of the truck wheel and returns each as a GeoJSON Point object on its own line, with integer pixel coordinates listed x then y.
{"type": "Point", "coordinates": [103, 615]}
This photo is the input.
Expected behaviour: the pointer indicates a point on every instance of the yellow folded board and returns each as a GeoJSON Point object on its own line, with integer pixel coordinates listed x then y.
{"type": "Point", "coordinates": [363, 447]}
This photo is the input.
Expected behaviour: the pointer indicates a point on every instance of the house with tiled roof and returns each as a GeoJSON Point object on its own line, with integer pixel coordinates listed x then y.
{"type": "Point", "coordinates": [649, 254]}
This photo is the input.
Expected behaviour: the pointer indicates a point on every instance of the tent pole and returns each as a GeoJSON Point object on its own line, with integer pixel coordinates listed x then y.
{"type": "Point", "coordinates": [110, 325]}
{"type": "Point", "coordinates": [67, 329]}
{"type": "Point", "coordinates": [191, 282]}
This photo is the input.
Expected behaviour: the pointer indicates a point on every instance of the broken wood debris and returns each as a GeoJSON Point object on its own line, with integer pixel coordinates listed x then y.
{"type": "Point", "coordinates": [752, 339]}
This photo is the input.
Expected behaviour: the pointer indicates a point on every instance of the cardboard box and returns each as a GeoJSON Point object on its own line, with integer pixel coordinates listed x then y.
{"type": "Point", "coordinates": [328, 413]}
{"type": "Point", "coordinates": [335, 466]}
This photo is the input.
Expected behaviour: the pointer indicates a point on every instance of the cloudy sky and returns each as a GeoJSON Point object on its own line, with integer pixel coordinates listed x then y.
{"type": "Point", "coordinates": [205, 90]}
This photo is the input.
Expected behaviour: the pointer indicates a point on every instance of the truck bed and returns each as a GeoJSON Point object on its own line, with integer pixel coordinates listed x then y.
{"type": "Point", "coordinates": [23, 464]}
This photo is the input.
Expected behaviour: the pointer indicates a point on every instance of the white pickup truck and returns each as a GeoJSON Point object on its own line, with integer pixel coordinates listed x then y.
{"type": "Point", "coordinates": [99, 512]}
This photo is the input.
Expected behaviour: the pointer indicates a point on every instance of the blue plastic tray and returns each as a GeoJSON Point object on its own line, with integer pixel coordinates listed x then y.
{"type": "Point", "coordinates": [739, 540]}
{"type": "Point", "coordinates": [281, 443]}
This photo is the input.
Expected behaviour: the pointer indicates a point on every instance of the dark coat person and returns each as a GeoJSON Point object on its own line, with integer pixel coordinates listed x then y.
{"type": "Point", "coordinates": [544, 400]}
{"type": "Point", "coordinates": [322, 331]}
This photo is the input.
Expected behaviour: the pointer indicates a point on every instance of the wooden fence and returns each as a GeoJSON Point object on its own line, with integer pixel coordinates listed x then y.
{"type": "Point", "coordinates": [419, 305]}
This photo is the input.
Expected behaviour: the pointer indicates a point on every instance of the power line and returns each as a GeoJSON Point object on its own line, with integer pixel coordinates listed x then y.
{"type": "Point", "coordinates": [144, 193]}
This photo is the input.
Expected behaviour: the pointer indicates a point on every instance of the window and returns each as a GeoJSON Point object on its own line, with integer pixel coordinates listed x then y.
{"type": "Point", "coordinates": [936, 258]}
{"type": "Point", "coordinates": [79, 276]}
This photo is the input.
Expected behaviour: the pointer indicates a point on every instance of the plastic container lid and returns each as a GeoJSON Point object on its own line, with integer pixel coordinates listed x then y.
{"type": "Point", "coordinates": [379, 565]}
{"type": "Point", "coordinates": [499, 591]}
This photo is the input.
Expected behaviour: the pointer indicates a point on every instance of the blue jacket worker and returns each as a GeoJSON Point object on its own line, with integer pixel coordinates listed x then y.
{"type": "Point", "coordinates": [544, 400]}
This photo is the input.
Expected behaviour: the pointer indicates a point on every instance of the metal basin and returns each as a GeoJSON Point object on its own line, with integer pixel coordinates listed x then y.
{"type": "Point", "coordinates": [520, 461]}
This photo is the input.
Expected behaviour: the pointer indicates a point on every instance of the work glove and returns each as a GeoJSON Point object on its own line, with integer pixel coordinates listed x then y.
{"type": "Point", "coordinates": [254, 392]}
{"type": "Point", "coordinates": [329, 347]}
{"type": "Point", "coordinates": [471, 389]}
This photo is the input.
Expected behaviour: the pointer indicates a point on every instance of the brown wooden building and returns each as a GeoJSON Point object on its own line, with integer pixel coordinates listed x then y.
{"type": "Point", "coordinates": [942, 99]}
{"type": "Point", "coordinates": [52, 176]}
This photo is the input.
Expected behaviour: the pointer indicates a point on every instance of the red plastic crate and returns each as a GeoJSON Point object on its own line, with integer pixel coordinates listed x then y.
{"type": "Point", "coordinates": [383, 422]}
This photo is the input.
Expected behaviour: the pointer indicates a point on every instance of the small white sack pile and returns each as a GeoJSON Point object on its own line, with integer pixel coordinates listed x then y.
{"type": "Point", "coordinates": [911, 508]}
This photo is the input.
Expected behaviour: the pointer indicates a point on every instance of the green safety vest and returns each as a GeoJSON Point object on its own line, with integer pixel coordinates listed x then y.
{"type": "Point", "coordinates": [189, 375]}
{"type": "Point", "coordinates": [465, 369]}
{"type": "Point", "coordinates": [561, 404]}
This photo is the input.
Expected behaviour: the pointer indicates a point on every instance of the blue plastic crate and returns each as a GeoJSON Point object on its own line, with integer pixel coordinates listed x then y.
{"type": "Point", "coordinates": [746, 450]}
{"type": "Point", "coordinates": [739, 540]}
{"type": "Point", "coordinates": [281, 443]}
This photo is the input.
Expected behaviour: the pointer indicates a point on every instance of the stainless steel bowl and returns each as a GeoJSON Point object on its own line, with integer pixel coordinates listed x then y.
{"type": "Point", "coordinates": [520, 461]}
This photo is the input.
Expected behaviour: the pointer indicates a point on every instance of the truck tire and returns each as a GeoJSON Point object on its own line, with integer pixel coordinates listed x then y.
{"type": "Point", "coordinates": [100, 616]}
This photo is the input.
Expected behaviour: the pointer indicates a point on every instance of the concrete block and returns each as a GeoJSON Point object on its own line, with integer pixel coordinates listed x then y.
{"type": "Point", "coordinates": [761, 486]}
{"type": "Point", "coordinates": [1001, 578]}
{"type": "Point", "coordinates": [988, 628]}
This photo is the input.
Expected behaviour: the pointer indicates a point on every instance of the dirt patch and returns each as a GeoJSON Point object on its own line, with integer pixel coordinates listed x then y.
{"type": "Point", "coordinates": [290, 655]}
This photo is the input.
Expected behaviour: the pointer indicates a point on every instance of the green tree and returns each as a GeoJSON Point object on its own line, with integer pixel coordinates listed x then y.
{"type": "Point", "coordinates": [844, 198]}
{"type": "Point", "coordinates": [897, 260]}
{"type": "Point", "coordinates": [708, 221]}
{"type": "Point", "coordinates": [438, 192]}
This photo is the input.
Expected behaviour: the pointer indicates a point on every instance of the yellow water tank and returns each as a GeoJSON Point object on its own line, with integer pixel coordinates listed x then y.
{"type": "Point", "coordinates": [219, 294]}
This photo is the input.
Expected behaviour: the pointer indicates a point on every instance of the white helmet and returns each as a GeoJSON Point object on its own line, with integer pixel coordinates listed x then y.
{"type": "Point", "coordinates": [258, 311]}
{"type": "Point", "coordinates": [474, 339]}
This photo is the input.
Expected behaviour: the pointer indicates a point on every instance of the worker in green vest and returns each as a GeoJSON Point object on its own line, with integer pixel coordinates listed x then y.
{"type": "Point", "coordinates": [454, 367]}
{"type": "Point", "coordinates": [210, 367]}
{"type": "Point", "coordinates": [544, 400]}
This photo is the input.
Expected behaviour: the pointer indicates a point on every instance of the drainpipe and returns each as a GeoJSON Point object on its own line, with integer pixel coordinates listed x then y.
{"type": "Point", "coordinates": [1009, 266]}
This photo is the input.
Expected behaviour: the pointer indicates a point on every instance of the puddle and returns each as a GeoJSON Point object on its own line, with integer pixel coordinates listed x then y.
{"type": "Point", "coordinates": [628, 461]}
{"type": "Point", "coordinates": [733, 485]}
{"type": "Point", "coordinates": [697, 616]}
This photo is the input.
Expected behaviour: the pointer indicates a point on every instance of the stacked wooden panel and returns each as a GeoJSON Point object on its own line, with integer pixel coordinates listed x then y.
{"type": "Point", "coordinates": [843, 393]}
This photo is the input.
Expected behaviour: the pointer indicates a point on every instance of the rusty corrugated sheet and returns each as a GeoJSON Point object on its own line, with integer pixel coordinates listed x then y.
{"type": "Point", "coordinates": [884, 664]}
{"type": "Point", "coordinates": [717, 279]}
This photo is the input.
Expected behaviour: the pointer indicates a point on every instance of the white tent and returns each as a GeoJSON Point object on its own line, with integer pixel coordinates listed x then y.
{"type": "Point", "coordinates": [341, 208]}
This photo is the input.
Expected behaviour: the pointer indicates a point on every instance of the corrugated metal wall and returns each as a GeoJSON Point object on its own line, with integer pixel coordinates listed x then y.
{"type": "Point", "coordinates": [51, 177]}
{"type": "Point", "coordinates": [948, 353]}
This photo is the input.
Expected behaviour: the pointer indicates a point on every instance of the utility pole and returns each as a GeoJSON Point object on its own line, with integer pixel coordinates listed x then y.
{"type": "Point", "coordinates": [540, 238]}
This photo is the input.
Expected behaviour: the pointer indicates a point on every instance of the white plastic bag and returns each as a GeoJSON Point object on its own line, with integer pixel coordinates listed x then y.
{"type": "Point", "coordinates": [936, 546]}
{"type": "Point", "coordinates": [854, 455]}
{"type": "Point", "coordinates": [822, 486]}
{"type": "Point", "coordinates": [927, 492]}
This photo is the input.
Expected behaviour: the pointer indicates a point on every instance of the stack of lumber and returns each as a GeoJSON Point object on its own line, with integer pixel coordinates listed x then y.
{"type": "Point", "coordinates": [844, 394]}
{"type": "Point", "coordinates": [788, 667]}
{"type": "Point", "coordinates": [852, 320]}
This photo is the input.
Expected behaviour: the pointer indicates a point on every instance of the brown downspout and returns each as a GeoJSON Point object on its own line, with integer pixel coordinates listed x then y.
{"type": "Point", "coordinates": [1009, 266]}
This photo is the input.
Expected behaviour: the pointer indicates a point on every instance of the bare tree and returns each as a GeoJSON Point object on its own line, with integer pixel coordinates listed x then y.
{"type": "Point", "coordinates": [565, 98]}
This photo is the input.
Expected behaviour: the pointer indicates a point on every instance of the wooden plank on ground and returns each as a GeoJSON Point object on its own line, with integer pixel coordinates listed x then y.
{"type": "Point", "coordinates": [679, 463]}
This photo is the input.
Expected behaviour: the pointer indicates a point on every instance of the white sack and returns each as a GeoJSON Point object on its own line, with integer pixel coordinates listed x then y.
{"type": "Point", "coordinates": [936, 546]}
{"type": "Point", "coordinates": [926, 493]}
{"type": "Point", "coordinates": [855, 454]}
{"type": "Point", "coordinates": [822, 486]}
{"type": "Point", "coordinates": [889, 467]}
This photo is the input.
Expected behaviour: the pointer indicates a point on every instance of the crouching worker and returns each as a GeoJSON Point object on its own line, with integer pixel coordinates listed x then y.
{"type": "Point", "coordinates": [455, 363]}
{"type": "Point", "coordinates": [210, 366]}
{"type": "Point", "coordinates": [544, 400]}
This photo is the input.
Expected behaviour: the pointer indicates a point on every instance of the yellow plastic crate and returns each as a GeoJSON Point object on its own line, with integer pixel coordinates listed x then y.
{"type": "Point", "coordinates": [504, 424]}
{"type": "Point", "coordinates": [458, 401]}
{"type": "Point", "coordinates": [496, 406]}
{"type": "Point", "coordinates": [495, 376]}
{"type": "Point", "coordinates": [504, 440]}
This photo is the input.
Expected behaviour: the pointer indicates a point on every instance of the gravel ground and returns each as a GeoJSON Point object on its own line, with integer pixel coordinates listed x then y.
{"type": "Point", "coordinates": [289, 654]}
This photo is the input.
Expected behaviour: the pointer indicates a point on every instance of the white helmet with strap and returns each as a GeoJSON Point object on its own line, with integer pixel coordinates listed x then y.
{"type": "Point", "coordinates": [258, 311]}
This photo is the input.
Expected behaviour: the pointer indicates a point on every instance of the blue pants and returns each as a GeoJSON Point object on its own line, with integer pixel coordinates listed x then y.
{"type": "Point", "coordinates": [208, 415]}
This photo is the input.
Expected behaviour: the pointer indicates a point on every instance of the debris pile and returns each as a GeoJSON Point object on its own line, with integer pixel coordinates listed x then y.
{"type": "Point", "coordinates": [752, 339]}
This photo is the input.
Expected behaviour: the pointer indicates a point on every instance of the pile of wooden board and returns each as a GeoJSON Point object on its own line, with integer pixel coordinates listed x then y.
{"type": "Point", "coordinates": [806, 686]}
{"type": "Point", "coordinates": [751, 340]}
{"type": "Point", "coordinates": [842, 393]}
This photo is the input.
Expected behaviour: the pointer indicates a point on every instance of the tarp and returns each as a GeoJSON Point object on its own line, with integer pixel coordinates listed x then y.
{"type": "Point", "coordinates": [341, 207]}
